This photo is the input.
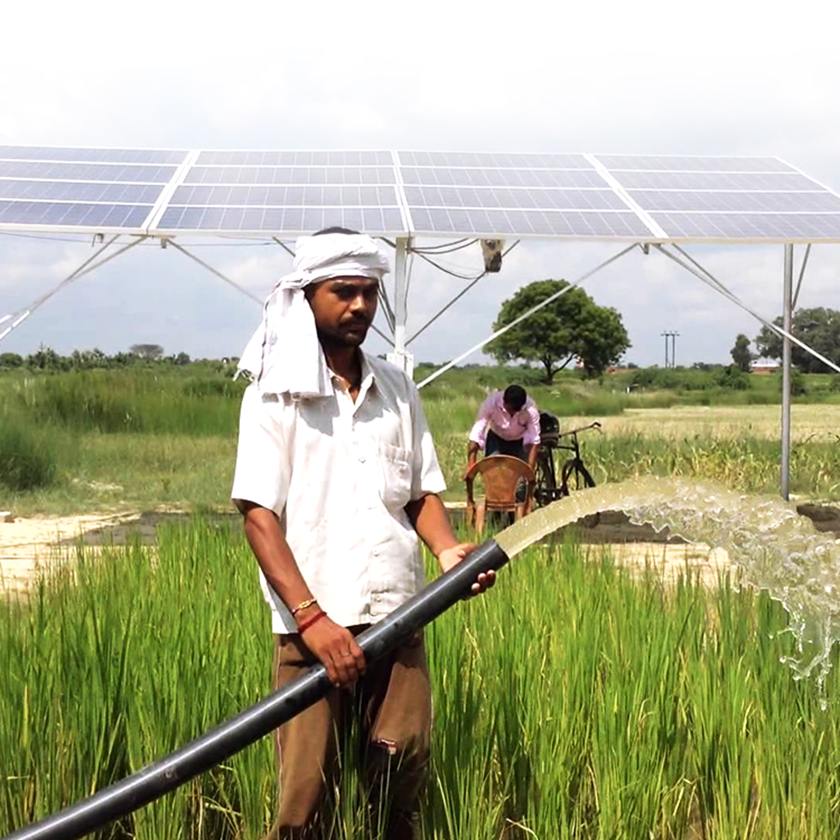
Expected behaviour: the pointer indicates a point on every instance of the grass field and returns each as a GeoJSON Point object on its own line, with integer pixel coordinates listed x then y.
{"type": "Point", "coordinates": [141, 438]}
{"type": "Point", "coordinates": [575, 701]}
{"type": "Point", "coordinates": [571, 702]}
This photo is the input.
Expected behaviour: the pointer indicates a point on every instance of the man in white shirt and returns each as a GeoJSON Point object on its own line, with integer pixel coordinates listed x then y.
{"type": "Point", "coordinates": [337, 476]}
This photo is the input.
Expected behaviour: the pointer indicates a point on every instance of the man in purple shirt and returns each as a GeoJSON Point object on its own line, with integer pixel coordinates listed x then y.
{"type": "Point", "coordinates": [508, 423]}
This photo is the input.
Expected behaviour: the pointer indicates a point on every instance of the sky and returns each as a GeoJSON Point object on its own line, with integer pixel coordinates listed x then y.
{"type": "Point", "coordinates": [742, 78]}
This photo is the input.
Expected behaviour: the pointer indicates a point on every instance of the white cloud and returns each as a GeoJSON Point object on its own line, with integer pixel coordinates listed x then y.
{"type": "Point", "coordinates": [724, 77]}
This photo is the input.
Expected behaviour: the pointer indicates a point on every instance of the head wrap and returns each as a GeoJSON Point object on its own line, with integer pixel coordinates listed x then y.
{"type": "Point", "coordinates": [284, 354]}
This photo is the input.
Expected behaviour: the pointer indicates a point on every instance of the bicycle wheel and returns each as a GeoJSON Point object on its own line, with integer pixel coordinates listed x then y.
{"type": "Point", "coordinates": [545, 487]}
{"type": "Point", "coordinates": [575, 476]}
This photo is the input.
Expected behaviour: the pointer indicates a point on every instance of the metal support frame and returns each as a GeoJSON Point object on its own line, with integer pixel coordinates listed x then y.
{"type": "Point", "coordinates": [457, 297]}
{"type": "Point", "coordinates": [399, 356]}
{"type": "Point", "coordinates": [89, 265]}
{"type": "Point", "coordinates": [787, 317]}
{"type": "Point", "coordinates": [788, 339]}
{"type": "Point", "coordinates": [550, 299]}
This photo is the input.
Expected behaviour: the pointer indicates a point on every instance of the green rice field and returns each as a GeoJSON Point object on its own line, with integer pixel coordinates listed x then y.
{"type": "Point", "coordinates": [576, 700]}
{"type": "Point", "coordinates": [573, 701]}
{"type": "Point", "coordinates": [148, 437]}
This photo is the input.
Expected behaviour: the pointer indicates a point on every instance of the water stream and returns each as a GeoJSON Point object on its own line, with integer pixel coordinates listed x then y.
{"type": "Point", "coordinates": [770, 545]}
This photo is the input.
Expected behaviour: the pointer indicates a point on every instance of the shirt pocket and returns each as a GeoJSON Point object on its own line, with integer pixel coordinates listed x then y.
{"type": "Point", "coordinates": [395, 476]}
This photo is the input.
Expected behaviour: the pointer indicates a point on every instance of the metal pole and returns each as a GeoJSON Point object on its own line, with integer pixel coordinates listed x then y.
{"type": "Point", "coordinates": [674, 349]}
{"type": "Point", "coordinates": [399, 356]}
{"type": "Point", "coordinates": [666, 349]}
{"type": "Point", "coordinates": [787, 317]}
{"type": "Point", "coordinates": [215, 746]}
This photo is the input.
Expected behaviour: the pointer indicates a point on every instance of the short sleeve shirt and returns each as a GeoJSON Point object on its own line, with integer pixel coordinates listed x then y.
{"type": "Point", "coordinates": [339, 475]}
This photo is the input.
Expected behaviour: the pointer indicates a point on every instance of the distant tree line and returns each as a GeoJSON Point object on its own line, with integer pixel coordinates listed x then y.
{"type": "Point", "coordinates": [818, 327]}
{"type": "Point", "coordinates": [45, 358]}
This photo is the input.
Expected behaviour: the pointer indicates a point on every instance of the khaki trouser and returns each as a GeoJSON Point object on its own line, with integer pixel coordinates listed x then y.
{"type": "Point", "coordinates": [392, 709]}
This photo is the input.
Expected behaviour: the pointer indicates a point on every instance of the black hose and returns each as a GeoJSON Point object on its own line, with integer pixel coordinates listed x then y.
{"type": "Point", "coordinates": [206, 752]}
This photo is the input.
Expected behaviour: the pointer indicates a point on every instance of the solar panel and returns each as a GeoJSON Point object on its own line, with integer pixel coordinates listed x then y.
{"type": "Point", "coordinates": [494, 160]}
{"type": "Point", "coordinates": [287, 192]}
{"type": "Point", "coordinates": [674, 163]}
{"type": "Point", "coordinates": [294, 158]}
{"type": "Point", "coordinates": [83, 188]}
{"type": "Point", "coordinates": [66, 214]}
{"type": "Point", "coordinates": [727, 198]}
{"type": "Point", "coordinates": [490, 223]}
{"type": "Point", "coordinates": [514, 195]}
{"type": "Point", "coordinates": [408, 193]}
{"type": "Point", "coordinates": [100, 155]}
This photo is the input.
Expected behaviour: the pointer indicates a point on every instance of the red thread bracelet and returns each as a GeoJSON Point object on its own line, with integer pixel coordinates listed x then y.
{"type": "Point", "coordinates": [310, 621]}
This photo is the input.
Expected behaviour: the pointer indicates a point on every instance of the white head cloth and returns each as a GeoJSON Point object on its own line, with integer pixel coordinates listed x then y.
{"type": "Point", "coordinates": [284, 354]}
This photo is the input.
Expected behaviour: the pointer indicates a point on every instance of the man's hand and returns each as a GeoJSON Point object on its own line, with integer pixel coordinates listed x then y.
{"type": "Point", "coordinates": [451, 557]}
{"type": "Point", "coordinates": [335, 647]}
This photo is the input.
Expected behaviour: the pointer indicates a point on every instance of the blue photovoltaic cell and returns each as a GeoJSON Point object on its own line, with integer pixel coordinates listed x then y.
{"type": "Point", "coordinates": [35, 153]}
{"type": "Point", "coordinates": [528, 223]}
{"type": "Point", "coordinates": [733, 226]}
{"type": "Point", "coordinates": [506, 197]}
{"type": "Point", "coordinates": [373, 220]}
{"type": "Point", "coordinates": [693, 164]}
{"type": "Point", "coordinates": [776, 202]}
{"type": "Point", "coordinates": [80, 215]}
{"type": "Point", "coordinates": [298, 195]}
{"type": "Point", "coordinates": [295, 158]}
{"type": "Point", "coordinates": [80, 191]}
{"type": "Point", "coordinates": [494, 160]}
{"type": "Point", "coordinates": [289, 175]}
{"type": "Point", "coordinates": [731, 181]}
{"type": "Point", "coordinates": [447, 177]}
{"type": "Point", "coordinates": [86, 172]}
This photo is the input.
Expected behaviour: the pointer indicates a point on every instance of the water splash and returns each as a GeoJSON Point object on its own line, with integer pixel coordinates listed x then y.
{"type": "Point", "coordinates": [773, 548]}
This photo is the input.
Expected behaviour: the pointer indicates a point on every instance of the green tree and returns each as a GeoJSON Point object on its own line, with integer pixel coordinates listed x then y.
{"type": "Point", "coordinates": [571, 326]}
{"type": "Point", "coordinates": [818, 328]}
{"type": "Point", "coordinates": [147, 351]}
{"type": "Point", "coordinates": [11, 360]}
{"type": "Point", "coordinates": [741, 354]}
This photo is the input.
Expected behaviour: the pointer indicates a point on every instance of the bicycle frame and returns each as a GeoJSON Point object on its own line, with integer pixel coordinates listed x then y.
{"type": "Point", "coordinates": [548, 489]}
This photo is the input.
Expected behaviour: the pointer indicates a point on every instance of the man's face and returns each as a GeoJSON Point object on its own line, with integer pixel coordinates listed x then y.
{"type": "Point", "coordinates": [343, 308]}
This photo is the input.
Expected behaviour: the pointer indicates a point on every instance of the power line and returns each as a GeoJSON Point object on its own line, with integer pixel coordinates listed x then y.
{"type": "Point", "coordinates": [672, 334]}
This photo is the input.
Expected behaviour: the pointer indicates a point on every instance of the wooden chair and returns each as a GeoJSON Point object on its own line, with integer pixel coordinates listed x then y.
{"type": "Point", "coordinates": [501, 475]}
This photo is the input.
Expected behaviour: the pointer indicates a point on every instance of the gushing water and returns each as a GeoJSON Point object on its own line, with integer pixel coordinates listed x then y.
{"type": "Point", "coordinates": [773, 548]}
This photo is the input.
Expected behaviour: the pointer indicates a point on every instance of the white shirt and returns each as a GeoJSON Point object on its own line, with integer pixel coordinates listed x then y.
{"type": "Point", "coordinates": [339, 475]}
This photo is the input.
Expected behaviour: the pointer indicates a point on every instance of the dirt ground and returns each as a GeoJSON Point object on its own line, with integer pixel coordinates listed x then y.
{"type": "Point", "coordinates": [29, 546]}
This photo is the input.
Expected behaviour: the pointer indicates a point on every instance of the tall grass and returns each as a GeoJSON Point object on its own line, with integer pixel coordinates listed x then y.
{"type": "Point", "coordinates": [572, 701]}
{"type": "Point", "coordinates": [132, 401]}
{"type": "Point", "coordinates": [146, 436]}
{"type": "Point", "coordinates": [27, 457]}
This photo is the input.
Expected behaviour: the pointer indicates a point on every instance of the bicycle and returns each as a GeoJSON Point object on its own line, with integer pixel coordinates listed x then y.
{"type": "Point", "coordinates": [573, 474]}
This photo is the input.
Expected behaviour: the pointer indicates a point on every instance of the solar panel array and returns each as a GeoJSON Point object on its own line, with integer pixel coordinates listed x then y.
{"type": "Point", "coordinates": [286, 193]}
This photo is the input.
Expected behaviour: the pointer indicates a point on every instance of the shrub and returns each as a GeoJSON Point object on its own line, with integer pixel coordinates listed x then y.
{"type": "Point", "coordinates": [734, 378]}
{"type": "Point", "coordinates": [25, 462]}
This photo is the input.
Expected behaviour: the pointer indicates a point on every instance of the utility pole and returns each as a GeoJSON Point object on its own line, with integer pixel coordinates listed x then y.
{"type": "Point", "coordinates": [672, 334]}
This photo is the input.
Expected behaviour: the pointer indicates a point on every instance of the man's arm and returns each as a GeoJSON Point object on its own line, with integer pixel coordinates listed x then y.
{"type": "Point", "coordinates": [472, 455]}
{"type": "Point", "coordinates": [531, 455]}
{"type": "Point", "coordinates": [328, 641]}
{"type": "Point", "coordinates": [431, 521]}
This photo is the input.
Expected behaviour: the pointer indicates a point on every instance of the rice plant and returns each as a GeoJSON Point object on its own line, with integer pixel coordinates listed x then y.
{"type": "Point", "coordinates": [572, 701]}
